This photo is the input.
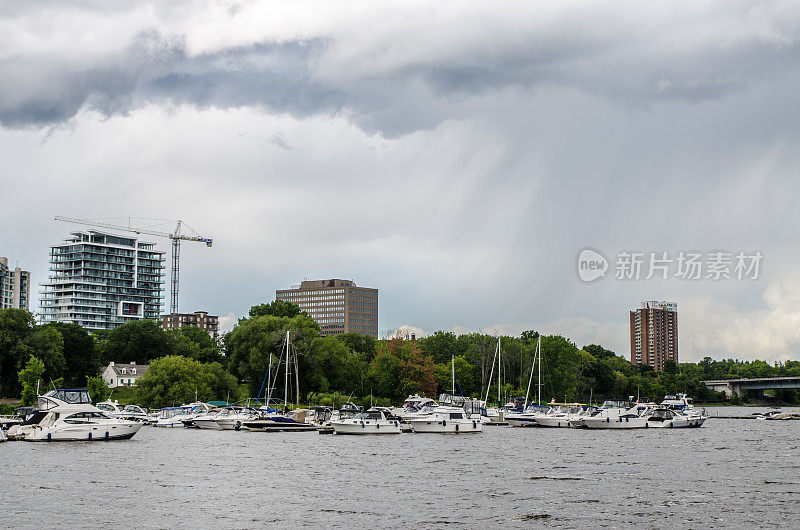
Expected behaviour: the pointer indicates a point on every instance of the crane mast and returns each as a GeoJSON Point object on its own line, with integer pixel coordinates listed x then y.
{"type": "Point", "coordinates": [175, 236]}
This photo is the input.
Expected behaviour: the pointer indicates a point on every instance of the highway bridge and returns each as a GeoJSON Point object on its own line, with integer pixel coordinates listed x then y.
{"type": "Point", "coordinates": [735, 386]}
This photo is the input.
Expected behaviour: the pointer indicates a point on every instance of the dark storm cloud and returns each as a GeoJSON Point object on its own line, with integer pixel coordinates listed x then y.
{"type": "Point", "coordinates": [158, 69]}
{"type": "Point", "coordinates": [677, 59]}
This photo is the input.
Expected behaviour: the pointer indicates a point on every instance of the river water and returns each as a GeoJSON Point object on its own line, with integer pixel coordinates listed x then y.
{"type": "Point", "coordinates": [729, 473]}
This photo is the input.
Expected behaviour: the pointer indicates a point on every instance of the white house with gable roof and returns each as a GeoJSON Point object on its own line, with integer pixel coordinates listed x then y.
{"type": "Point", "coordinates": [117, 374]}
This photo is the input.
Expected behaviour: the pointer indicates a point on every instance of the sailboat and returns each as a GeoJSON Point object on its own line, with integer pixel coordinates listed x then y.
{"type": "Point", "coordinates": [495, 415]}
{"type": "Point", "coordinates": [527, 418]}
{"type": "Point", "coordinates": [270, 421]}
{"type": "Point", "coordinates": [448, 419]}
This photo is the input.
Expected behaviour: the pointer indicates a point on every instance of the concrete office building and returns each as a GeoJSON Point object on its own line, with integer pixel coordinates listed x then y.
{"type": "Point", "coordinates": [338, 306]}
{"type": "Point", "coordinates": [654, 334]}
{"type": "Point", "coordinates": [101, 281]}
{"type": "Point", "coordinates": [198, 319]}
{"type": "Point", "coordinates": [15, 287]}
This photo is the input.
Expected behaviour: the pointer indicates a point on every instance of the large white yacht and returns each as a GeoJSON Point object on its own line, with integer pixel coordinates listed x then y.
{"type": "Point", "coordinates": [373, 421]}
{"type": "Point", "coordinates": [618, 415]}
{"type": "Point", "coordinates": [443, 419]}
{"type": "Point", "coordinates": [564, 415]}
{"type": "Point", "coordinates": [68, 415]}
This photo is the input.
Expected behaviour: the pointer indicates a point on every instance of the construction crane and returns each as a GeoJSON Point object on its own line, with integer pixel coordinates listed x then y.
{"type": "Point", "coordinates": [176, 236]}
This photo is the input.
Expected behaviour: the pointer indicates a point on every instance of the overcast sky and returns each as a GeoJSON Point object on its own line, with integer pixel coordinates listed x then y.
{"type": "Point", "coordinates": [454, 155]}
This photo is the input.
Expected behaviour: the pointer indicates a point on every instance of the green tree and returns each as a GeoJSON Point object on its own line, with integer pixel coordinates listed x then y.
{"type": "Point", "coordinates": [29, 378]}
{"type": "Point", "coordinates": [465, 377]}
{"type": "Point", "coordinates": [326, 365]}
{"type": "Point", "coordinates": [251, 344]}
{"type": "Point", "coordinates": [78, 352]}
{"type": "Point", "coordinates": [441, 345]}
{"type": "Point", "coordinates": [360, 343]}
{"type": "Point", "coordinates": [98, 390]}
{"type": "Point", "coordinates": [46, 344]}
{"type": "Point", "coordinates": [15, 326]}
{"type": "Point", "coordinates": [670, 367]}
{"type": "Point", "coordinates": [401, 368]}
{"type": "Point", "coordinates": [276, 308]}
{"type": "Point", "coordinates": [529, 337]}
{"type": "Point", "coordinates": [140, 341]}
{"type": "Point", "coordinates": [175, 380]}
{"type": "Point", "coordinates": [383, 375]}
{"type": "Point", "coordinates": [598, 352]}
{"type": "Point", "coordinates": [196, 344]}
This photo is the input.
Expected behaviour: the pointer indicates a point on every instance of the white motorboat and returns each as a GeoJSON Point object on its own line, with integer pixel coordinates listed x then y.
{"type": "Point", "coordinates": [415, 406]}
{"type": "Point", "coordinates": [233, 418]}
{"type": "Point", "coordinates": [685, 406]}
{"type": "Point", "coordinates": [171, 416]}
{"type": "Point", "coordinates": [564, 415]}
{"type": "Point", "coordinates": [270, 420]}
{"type": "Point", "coordinates": [663, 417]}
{"type": "Point", "coordinates": [68, 415]}
{"type": "Point", "coordinates": [176, 416]}
{"type": "Point", "coordinates": [127, 412]}
{"type": "Point", "coordinates": [444, 419]}
{"type": "Point", "coordinates": [618, 415]}
{"type": "Point", "coordinates": [202, 421]}
{"type": "Point", "coordinates": [527, 417]}
{"type": "Point", "coordinates": [373, 421]}
{"type": "Point", "coordinates": [453, 420]}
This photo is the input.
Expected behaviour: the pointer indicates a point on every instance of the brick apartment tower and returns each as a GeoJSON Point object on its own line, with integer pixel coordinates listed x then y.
{"type": "Point", "coordinates": [338, 306]}
{"type": "Point", "coordinates": [198, 319]}
{"type": "Point", "coordinates": [654, 334]}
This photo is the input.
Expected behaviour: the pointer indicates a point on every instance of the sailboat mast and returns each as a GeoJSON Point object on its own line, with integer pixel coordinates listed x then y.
{"type": "Point", "coordinates": [530, 379]}
{"type": "Point", "coordinates": [286, 374]}
{"type": "Point", "coordinates": [499, 371]}
{"type": "Point", "coordinates": [268, 391]}
{"type": "Point", "coordinates": [539, 398]}
{"type": "Point", "coordinates": [454, 379]}
{"type": "Point", "coordinates": [491, 374]}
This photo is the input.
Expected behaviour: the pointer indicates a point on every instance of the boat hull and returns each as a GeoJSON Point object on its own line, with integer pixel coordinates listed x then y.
{"type": "Point", "coordinates": [231, 424]}
{"type": "Point", "coordinates": [269, 425]}
{"type": "Point", "coordinates": [677, 423]}
{"type": "Point", "coordinates": [521, 421]}
{"type": "Point", "coordinates": [446, 426]}
{"type": "Point", "coordinates": [83, 433]}
{"type": "Point", "coordinates": [168, 423]}
{"type": "Point", "coordinates": [365, 427]}
{"type": "Point", "coordinates": [205, 423]}
{"type": "Point", "coordinates": [616, 423]}
{"type": "Point", "coordinates": [554, 422]}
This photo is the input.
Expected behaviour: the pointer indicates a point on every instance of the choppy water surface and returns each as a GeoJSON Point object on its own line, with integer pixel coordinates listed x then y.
{"type": "Point", "coordinates": [729, 473]}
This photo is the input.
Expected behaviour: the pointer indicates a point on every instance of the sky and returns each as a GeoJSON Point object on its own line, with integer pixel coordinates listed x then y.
{"type": "Point", "coordinates": [456, 156]}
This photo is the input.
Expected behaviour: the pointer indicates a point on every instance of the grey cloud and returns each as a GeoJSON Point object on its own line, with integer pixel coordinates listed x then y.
{"type": "Point", "coordinates": [155, 68]}
{"type": "Point", "coordinates": [303, 77]}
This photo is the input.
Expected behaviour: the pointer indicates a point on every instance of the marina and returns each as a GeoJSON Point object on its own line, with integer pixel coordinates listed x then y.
{"type": "Point", "coordinates": [551, 477]}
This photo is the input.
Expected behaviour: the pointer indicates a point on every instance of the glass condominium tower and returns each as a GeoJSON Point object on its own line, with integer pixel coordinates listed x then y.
{"type": "Point", "coordinates": [101, 281]}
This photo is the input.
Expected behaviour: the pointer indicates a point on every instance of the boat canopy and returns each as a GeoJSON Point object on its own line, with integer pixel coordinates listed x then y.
{"type": "Point", "coordinates": [71, 395]}
{"type": "Point", "coordinates": [56, 397]}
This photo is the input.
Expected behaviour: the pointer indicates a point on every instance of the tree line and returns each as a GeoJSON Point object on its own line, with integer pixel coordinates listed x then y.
{"type": "Point", "coordinates": [187, 363]}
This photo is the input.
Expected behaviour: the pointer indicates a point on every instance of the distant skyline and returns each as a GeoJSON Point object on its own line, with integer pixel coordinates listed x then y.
{"type": "Point", "coordinates": [457, 157]}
